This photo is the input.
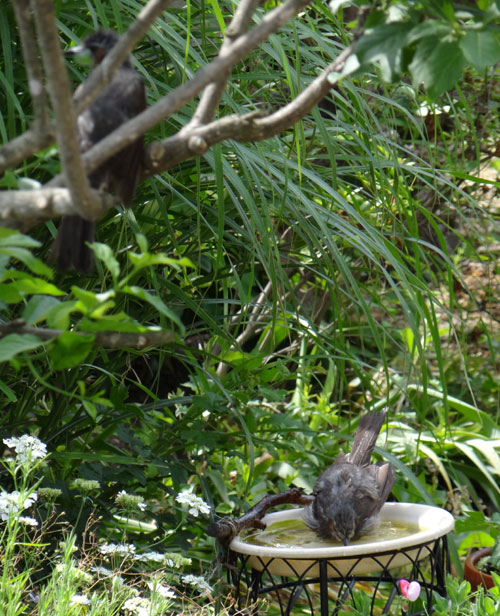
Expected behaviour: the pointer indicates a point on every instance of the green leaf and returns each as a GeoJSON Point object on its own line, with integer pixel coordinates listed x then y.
{"type": "Point", "coordinates": [104, 253]}
{"type": "Point", "coordinates": [58, 316]}
{"type": "Point", "coordinates": [13, 344]}
{"type": "Point", "coordinates": [36, 286]}
{"type": "Point", "coordinates": [383, 47]}
{"type": "Point", "coordinates": [156, 302]}
{"type": "Point", "coordinates": [7, 391]}
{"type": "Point", "coordinates": [481, 49]}
{"type": "Point", "coordinates": [37, 308]}
{"type": "Point", "coordinates": [436, 64]}
{"type": "Point", "coordinates": [70, 350]}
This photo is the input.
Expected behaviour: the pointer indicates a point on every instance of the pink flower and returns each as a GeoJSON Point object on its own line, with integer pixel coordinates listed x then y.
{"type": "Point", "coordinates": [409, 590]}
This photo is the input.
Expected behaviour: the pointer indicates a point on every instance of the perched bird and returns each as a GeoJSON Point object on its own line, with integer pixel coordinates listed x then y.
{"type": "Point", "coordinates": [350, 493]}
{"type": "Point", "coordinates": [122, 99]}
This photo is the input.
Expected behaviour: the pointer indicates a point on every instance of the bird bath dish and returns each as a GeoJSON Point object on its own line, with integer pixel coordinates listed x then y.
{"type": "Point", "coordinates": [407, 533]}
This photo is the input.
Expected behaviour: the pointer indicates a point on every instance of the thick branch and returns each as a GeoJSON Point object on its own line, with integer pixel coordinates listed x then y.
{"type": "Point", "coordinates": [60, 95]}
{"type": "Point", "coordinates": [23, 209]}
{"type": "Point", "coordinates": [40, 134]}
{"type": "Point", "coordinates": [102, 339]}
{"type": "Point", "coordinates": [226, 529]}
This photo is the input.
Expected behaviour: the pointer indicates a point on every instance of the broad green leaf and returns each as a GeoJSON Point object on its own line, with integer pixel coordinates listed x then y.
{"type": "Point", "coordinates": [12, 344]}
{"type": "Point", "coordinates": [37, 308]}
{"type": "Point", "coordinates": [383, 47]}
{"type": "Point", "coordinates": [88, 301]}
{"type": "Point", "coordinates": [36, 286]}
{"type": "Point", "coordinates": [26, 257]}
{"type": "Point", "coordinates": [436, 64]}
{"type": "Point", "coordinates": [58, 316]}
{"type": "Point", "coordinates": [70, 349]}
{"type": "Point", "coordinates": [481, 49]}
{"type": "Point", "coordinates": [11, 237]}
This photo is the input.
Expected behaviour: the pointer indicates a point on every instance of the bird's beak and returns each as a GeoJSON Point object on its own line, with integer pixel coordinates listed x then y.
{"type": "Point", "coordinates": [76, 50]}
{"type": "Point", "coordinates": [345, 541]}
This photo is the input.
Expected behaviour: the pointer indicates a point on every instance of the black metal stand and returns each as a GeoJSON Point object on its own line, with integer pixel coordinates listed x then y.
{"type": "Point", "coordinates": [322, 589]}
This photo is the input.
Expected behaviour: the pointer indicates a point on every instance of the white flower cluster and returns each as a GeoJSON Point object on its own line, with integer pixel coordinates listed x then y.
{"type": "Point", "coordinates": [164, 591]}
{"type": "Point", "coordinates": [26, 447]}
{"type": "Point", "coordinates": [199, 582]}
{"type": "Point", "coordinates": [154, 557]}
{"type": "Point", "coordinates": [14, 502]}
{"type": "Point", "coordinates": [80, 600]}
{"type": "Point", "coordinates": [195, 503]}
{"type": "Point", "coordinates": [137, 606]}
{"type": "Point", "coordinates": [122, 549]}
{"type": "Point", "coordinates": [130, 501]}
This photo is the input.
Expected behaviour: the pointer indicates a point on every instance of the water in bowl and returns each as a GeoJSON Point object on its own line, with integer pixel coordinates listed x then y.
{"type": "Point", "coordinates": [294, 533]}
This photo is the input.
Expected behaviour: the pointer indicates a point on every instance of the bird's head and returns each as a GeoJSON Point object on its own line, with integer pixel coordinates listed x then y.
{"type": "Point", "coordinates": [98, 44]}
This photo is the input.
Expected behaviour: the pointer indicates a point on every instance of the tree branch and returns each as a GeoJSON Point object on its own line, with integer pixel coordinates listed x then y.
{"type": "Point", "coordinates": [40, 133]}
{"type": "Point", "coordinates": [22, 209]}
{"type": "Point", "coordinates": [102, 339]}
{"type": "Point", "coordinates": [211, 96]}
{"type": "Point", "coordinates": [195, 140]}
{"type": "Point", "coordinates": [60, 95]}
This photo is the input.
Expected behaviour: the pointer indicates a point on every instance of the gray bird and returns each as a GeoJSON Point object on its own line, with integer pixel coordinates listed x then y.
{"type": "Point", "coordinates": [350, 493]}
{"type": "Point", "coordinates": [122, 99]}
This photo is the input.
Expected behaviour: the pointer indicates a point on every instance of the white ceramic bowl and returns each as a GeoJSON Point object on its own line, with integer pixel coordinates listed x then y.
{"type": "Point", "coordinates": [432, 523]}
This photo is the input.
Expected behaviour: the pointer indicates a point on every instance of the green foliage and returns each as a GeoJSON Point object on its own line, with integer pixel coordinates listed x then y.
{"type": "Point", "coordinates": [434, 43]}
{"type": "Point", "coordinates": [305, 278]}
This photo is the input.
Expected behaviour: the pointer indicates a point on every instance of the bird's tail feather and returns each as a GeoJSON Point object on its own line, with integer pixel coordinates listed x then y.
{"type": "Point", "coordinates": [70, 249]}
{"type": "Point", "coordinates": [365, 438]}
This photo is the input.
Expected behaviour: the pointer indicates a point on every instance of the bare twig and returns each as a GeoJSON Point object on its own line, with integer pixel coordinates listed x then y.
{"type": "Point", "coordinates": [102, 339]}
{"type": "Point", "coordinates": [60, 95]}
{"type": "Point", "coordinates": [225, 530]}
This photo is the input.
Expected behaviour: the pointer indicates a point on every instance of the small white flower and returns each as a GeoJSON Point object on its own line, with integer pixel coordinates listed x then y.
{"type": "Point", "coordinates": [28, 521]}
{"type": "Point", "coordinates": [164, 591]}
{"type": "Point", "coordinates": [130, 501]}
{"type": "Point", "coordinates": [12, 503]}
{"type": "Point", "coordinates": [137, 606]}
{"type": "Point", "coordinates": [154, 557]}
{"type": "Point", "coordinates": [27, 447]}
{"type": "Point", "coordinates": [199, 582]}
{"type": "Point", "coordinates": [122, 549]}
{"type": "Point", "coordinates": [195, 504]}
{"type": "Point", "coordinates": [80, 600]}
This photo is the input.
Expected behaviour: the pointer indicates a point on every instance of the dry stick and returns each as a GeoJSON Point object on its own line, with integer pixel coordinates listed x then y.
{"type": "Point", "coordinates": [225, 530]}
{"type": "Point", "coordinates": [240, 23]}
{"type": "Point", "coordinates": [40, 131]}
{"type": "Point", "coordinates": [102, 339]}
{"type": "Point", "coordinates": [176, 99]}
{"type": "Point", "coordinates": [65, 118]}
{"type": "Point", "coordinates": [102, 74]}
